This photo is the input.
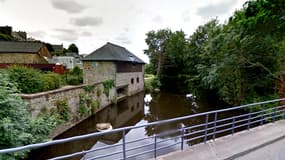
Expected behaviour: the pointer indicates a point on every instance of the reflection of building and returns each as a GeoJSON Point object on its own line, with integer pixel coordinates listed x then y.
{"type": "Point", "coordinates": [126, 113]}
{"type": "Point", "coordinates": [113, 62]}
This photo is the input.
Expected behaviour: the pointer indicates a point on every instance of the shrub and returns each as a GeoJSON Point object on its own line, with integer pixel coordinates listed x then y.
{"type": "Point", "coordinates": [156, 82]}
{"type": "Point", "coordinates": [63, 109]}
{"type": "Point", "coordinates": [17, 127]}
{"type": "Point", "coordinates": [51, 81]}
{"type": "Point", "coordinates": [108, 84]}
{"type": "Point", "coordinates": [28, 80]}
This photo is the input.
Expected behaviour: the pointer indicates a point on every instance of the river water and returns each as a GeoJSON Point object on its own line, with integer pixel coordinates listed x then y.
{"type": "Point", "coordinates": [130, 112]}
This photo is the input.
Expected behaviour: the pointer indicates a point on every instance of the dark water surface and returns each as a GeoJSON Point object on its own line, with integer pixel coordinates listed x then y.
{"type": "Point", "coordinates": [130, 112]}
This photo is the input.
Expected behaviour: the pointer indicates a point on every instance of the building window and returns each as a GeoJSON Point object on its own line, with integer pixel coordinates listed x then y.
{"type": "Point", "coordinates": [132, 80]}
{"type": "Point", "coordinates": [138, 80]}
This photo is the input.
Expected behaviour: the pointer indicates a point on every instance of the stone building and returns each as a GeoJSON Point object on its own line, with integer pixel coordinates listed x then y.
{"type": "Point", "coordinates": [113, 62]}
{"type": "Point", "coordinates": [23, 52]}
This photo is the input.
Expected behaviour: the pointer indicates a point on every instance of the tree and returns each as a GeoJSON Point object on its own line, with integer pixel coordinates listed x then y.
{"type": "Point", "coordinates": [73, 48]}
{"type": "Point", "coordinates": [6, 37]}
{"type": "Point", "coordinates": [17, 128]}
{"type": "Point", "coordinates": [156, 42]}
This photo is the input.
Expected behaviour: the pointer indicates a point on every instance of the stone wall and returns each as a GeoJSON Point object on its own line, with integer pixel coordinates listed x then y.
{"type": "Point", "coordinates": [96, 72]}
{"type": "Point", "coordinates": [21, 58]}
{"type": "Point", "coordinates": [48, 100]}
{"type": "Point", "coordinates": [134, 81]}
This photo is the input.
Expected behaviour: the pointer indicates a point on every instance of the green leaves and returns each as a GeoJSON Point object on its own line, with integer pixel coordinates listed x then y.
{"type": "Point", "coordinates": [17, 128]}
{"type": "Point", "coordinates": [239, 60]}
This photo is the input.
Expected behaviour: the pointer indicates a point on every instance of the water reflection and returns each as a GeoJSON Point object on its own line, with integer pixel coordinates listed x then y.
{"type": "Point", "coordinates": [130, 112]}
{"type": "Point", "coordinates": [125, 113]}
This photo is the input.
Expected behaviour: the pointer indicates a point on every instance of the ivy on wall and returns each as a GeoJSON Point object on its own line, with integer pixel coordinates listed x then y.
{"type": "Point", "coordinates": [108, 84]}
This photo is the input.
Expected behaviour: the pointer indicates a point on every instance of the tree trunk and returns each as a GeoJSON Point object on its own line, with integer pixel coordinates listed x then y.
{"type": "Point", "coordinates": [159, 64]}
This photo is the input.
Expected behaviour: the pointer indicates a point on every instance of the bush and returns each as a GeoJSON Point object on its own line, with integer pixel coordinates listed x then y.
{"type": "Point", "coordinates": [17, 127]}
{"type": "Point", "coordinates": [28, 80]}
{"type": "Point", "coordinates": [51, 81]}
{"type": "Point", "coordinates": [74, 76]}
{"type": "Point", "coordinates": [155, 82]}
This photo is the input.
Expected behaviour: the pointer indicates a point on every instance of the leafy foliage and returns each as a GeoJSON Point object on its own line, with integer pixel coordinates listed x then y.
{"type": "Point", "coordinates": [108, 84]}
{"type": "Point", "coordinates": [5, 37]}
{"type": "Point", "coordinates": [63, 109]}
{"type": "Point", "coordinates": [74, 76]}
{"type": "Point", "coordinates": [28, 80]}
{"type": "Point", "coordinates": [51, 81]}
{"type": "Point", "coordinates": [17, 128]}
{"type": "Point", "coordinates": [73, 48]}
{"type": "Point", "coordinates": [240, 60]}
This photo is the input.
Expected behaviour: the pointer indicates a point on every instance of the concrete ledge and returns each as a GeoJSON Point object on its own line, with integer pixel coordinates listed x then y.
{"type": "Point", "coordinates": [232, 146]}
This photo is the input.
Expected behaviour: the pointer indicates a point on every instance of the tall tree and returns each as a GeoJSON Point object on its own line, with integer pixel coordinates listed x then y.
{"type": "Point", "coordinates": [73, 48]}
{"type": "Point", "coordinates": [156, 42]}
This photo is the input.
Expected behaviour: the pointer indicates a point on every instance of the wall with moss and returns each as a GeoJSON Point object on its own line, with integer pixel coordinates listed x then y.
{"type": "Point", "coordinates": [82, 101]}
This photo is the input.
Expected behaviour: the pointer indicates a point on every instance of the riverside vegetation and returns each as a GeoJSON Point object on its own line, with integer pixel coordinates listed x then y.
{"type": "Point", "coordinates": [240, 61]}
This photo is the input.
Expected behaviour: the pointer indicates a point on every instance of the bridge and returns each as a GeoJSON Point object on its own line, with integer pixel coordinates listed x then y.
{"type": "Point", "coordinates": [248, 132]}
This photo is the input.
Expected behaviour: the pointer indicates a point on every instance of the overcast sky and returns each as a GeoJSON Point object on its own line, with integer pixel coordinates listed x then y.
{"type": "Point", "coordinates": [91, 23]}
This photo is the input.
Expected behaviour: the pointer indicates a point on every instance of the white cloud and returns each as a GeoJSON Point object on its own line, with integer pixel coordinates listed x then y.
{"type": "Point", "coordinates": [87, 21]}
{"type": "Point", "coordinates": [216, 9]}
{"type": "Point", "coordinates": [69, 6]}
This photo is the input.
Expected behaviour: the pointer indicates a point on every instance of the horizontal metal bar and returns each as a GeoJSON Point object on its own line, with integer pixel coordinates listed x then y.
{"type": "Point", "coordinates": [163, 147]}
{"type": "Point", "coordinates": [168, 139]}
{"type": "Point", "coordinates": [38, 145]}
{"type": "Point", "coordinates": [194, 138]}
{"type": "Point", "coordinates": [224, 130]}
{"type": "Point", "coordinates": [140, 139]}
{"type": "Point", "coordinates": [138, 154]}
{"type": "Point", "coordinates": [195, 126]}
{"type": "Point", "coordinates": [68, 156]}
{"type": "Point", "coordinates": [141, 146]}
{"type": "Point", "coordinates": [169, 132]}
{"type": "Point", "coordinates": [105, 155]}
{"type": "Point", "coordinates": [105, 147]}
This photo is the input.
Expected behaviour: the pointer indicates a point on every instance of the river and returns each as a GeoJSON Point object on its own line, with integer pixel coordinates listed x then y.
{"type": "Point", "coordinates": [130, 112]}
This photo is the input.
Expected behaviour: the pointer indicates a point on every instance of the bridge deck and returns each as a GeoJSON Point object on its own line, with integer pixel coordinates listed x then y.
{"type": "Point", "coordinates": [263, 142]}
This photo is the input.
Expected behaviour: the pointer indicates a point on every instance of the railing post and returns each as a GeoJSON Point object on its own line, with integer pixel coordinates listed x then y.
{"type": "Point", "coordinates": [262, 117]}
{"type": "Point", "coordinates": [215, 125]}
{"type": "Point", "coordinates": [155, 143]}
{"type": "Point", "coordinates": [182, 135]}
{"type": "Point", "coordinates": [233, 126]}
{"type": "Point", "coordinates": [274, 115]}
{"type": "Point", "coordinates": [124, 144]}
{"type": "Point", "coordinates": [249, 120]}
{"type": "Point", "coordinates": [283, 112]}
{"type": "Point", "coordinates": [206, 128]}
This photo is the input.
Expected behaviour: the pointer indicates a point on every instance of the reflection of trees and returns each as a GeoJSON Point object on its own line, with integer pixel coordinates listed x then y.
{"type": "Point", "coordinates": [165, 106]}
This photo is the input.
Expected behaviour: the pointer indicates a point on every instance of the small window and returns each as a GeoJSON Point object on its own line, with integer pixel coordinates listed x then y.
{"type": "Point", "coordinates": [132, 80]}
{"type": "Point", "coordinates": [138, 80]}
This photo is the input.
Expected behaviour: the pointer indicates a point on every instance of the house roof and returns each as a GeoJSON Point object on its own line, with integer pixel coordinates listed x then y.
{"type": "Point", "coordinates": [20, 47]}
{"type": "Point", "coordinates": [57, 48]}
{"type": "Point", "coordinates": [112, 52]}
{"type": "Point", "coordinates": [72, 54]}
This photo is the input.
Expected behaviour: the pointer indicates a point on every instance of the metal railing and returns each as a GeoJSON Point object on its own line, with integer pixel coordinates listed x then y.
{"type": "Point", "coordinates": [212, 124]}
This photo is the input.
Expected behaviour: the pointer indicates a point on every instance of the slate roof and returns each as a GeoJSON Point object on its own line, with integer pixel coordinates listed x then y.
{"type": "Point", "coordinates": [112, 52]}
{"type": "Point", "coordinates": [19, 47]}
{"type": "Point", "coordinates": [57, 48]}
